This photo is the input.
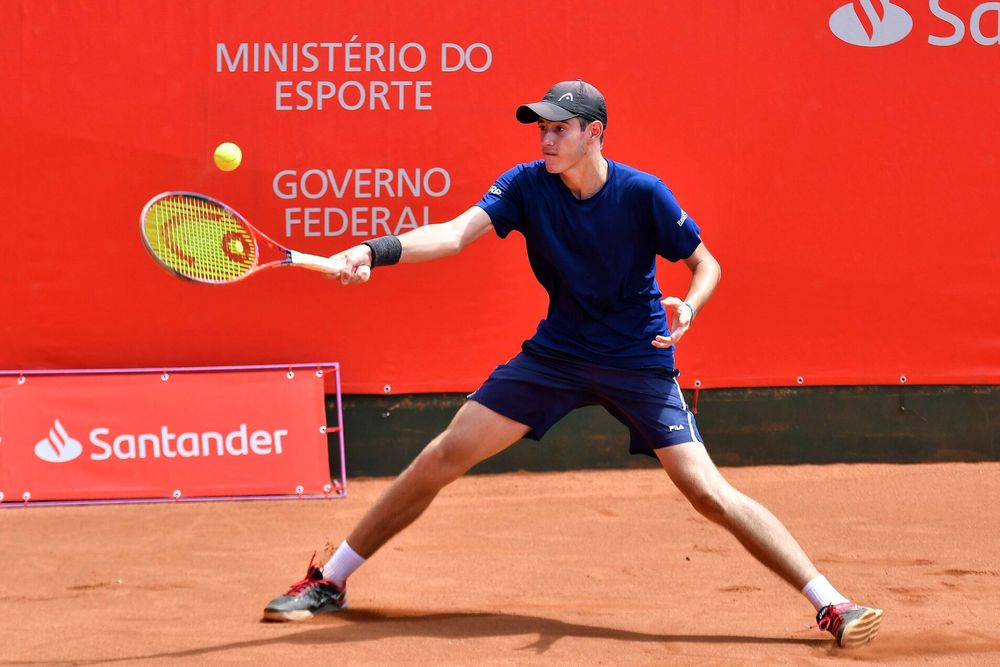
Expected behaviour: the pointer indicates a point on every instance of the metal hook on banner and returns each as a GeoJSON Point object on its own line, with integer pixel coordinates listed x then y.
{"type": "Point", "coordinates": [26, 496]}
{"type": "Point", "coordinates": [694, 399]}
{"type": "Point", "coordinates": [902, 406]}
{"type": "Point", "coordinates": [176, 495]}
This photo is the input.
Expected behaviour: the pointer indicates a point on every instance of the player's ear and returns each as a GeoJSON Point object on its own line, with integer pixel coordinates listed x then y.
{"type": "Point", "coordinates": [596, 128]}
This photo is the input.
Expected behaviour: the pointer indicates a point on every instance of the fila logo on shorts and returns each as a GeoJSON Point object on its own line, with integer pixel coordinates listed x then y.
{"type": "Point", "coordinates": [494, 190]}
{"type": "Point", "coordinates": [676, 427]}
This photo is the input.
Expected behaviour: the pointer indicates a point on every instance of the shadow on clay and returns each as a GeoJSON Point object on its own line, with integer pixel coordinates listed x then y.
{"type": "Point", "coordinates": [354, 626]}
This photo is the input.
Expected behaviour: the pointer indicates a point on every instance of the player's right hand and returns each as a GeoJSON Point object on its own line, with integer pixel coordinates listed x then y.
{"type": "Point", "coordinates": [357, 265]}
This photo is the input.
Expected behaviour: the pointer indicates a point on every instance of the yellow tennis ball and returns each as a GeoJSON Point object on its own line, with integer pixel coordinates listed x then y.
{"type": "Point", "coordinates": [228, 156]}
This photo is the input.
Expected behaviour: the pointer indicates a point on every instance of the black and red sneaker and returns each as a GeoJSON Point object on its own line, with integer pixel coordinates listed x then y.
{"type": "Point", "coordinates": [851, 624]}
{"type": "Point", "coordinates": [308, 597]}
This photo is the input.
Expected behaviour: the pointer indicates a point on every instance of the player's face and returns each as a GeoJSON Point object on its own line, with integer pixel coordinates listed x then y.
{"type": "Point", "coordinates": [564, 144]}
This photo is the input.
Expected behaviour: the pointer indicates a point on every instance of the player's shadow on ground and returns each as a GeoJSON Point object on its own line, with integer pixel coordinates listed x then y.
{"type": "Point", "coordinates": [372, 625]}
{"type": "Point", "coordinates": [359, 626]}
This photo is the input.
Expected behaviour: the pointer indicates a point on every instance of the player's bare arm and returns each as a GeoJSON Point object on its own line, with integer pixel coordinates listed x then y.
{"type": "Point", "coordinates": [432, 242]}
{"type": "Point", "coordinates": [423, 244]}
{"type": "Point", "coordinates": [705, 276]}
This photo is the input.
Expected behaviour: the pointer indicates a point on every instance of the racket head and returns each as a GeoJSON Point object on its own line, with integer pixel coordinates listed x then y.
{"type": "Point", "coordinates": [199, 238]}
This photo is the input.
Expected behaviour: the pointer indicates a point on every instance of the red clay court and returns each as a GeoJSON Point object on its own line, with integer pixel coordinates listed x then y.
{"type": "Point", "coordinates": [596, 567]}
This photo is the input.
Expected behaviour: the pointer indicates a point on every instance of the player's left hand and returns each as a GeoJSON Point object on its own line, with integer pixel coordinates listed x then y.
{"type": "Point", "coordinates": [679, 317]}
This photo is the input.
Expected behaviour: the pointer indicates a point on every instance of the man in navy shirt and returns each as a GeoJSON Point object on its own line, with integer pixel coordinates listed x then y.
{"type": "Point", "coordinates": [593, 229]}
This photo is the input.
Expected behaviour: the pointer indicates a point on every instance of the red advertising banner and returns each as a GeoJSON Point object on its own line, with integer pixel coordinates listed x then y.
{"type": "Point", "coordinates": [840, 157]}
{"type": "Point", "coordinates": [162, 435]}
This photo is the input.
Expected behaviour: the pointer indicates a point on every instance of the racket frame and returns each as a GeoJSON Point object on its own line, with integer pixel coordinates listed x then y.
{"type": "Point", "coordinates": [292, 257]}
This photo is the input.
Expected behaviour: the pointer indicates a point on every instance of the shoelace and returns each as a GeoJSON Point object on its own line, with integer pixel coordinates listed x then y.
{"type": "Point", "coordinates": [304, 584]}
{"type": "Point", "coordinates": [832, 619]}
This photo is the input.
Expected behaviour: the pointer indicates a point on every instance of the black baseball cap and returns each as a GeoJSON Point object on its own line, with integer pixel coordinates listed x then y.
{"type": "Point", "coordinates": [565, 100]}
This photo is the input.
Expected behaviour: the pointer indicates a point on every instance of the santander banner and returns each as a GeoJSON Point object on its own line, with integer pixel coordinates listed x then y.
{"type": "Point", "coordinates": [160, 436]}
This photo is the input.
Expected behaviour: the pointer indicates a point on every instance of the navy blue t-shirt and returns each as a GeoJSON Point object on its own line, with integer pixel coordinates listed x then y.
{"type": "Point", "coordinates": [596, 258]}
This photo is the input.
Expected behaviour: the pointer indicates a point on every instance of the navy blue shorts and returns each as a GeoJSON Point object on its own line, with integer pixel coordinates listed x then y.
{"type": "Point", "coordinates": [538, 391]}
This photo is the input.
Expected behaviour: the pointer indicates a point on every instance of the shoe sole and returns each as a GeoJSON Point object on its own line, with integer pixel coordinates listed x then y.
{"type": "Point", "coordinates": [277, 616]}
{"type": "Point", "coordinates": [861, 630]}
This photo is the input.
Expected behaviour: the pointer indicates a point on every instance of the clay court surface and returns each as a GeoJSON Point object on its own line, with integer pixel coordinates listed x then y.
{"type": "Point", "coordinates": [596, 567]}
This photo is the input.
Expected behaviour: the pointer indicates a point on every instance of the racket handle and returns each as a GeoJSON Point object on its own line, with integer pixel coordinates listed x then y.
{"type": "Point", "coordinates": [323, 264]}
{"type": "Point", "coordinates": [315, 262]}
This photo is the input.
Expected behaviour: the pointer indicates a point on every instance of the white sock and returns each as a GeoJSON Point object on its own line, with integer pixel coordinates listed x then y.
{"type": "Point", "coordinates": [821, 593]}
{"type": "Point", "coordinates": [342, 564]}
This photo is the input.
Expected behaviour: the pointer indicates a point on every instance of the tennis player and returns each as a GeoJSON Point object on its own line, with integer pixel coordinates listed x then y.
{"type": "Point", "coordinates": [593, 228]}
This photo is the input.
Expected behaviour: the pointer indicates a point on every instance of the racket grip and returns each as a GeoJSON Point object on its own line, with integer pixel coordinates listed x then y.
{"type": "Point", "coordinates": [315, 262]}
{"type": "Point", "coordinates": [323, 264]}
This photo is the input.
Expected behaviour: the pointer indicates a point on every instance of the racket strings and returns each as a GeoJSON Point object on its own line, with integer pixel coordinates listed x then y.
{"type": "Point", "coordinates": [200, 239]}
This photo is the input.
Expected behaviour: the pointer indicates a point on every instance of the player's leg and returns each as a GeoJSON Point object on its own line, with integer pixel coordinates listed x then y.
{"type": "Point", "coordinates": [522, 398]}
{"type": "Point", "coordinates": [757, 529]}
{"type": "Point", "coordinates": [474, 434]}
{"type": "Point", "coordinates": [766, 538]}
{"type": "Point", "coordinates": [651, 404]}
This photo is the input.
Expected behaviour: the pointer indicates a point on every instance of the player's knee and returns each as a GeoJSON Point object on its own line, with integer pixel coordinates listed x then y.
{"type": "Point", "coordinates": [444, 459]}
{"type": "Point", "coordinates": [710, 503]}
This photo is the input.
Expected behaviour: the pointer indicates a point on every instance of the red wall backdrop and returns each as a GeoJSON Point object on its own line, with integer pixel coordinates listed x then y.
{"type": "Point", "coordinates": [851, 193]}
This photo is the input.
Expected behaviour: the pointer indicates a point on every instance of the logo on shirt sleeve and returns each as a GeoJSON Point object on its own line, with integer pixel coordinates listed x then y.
{"type": "Point", "coordinates": [684, 216]}
{"type": "Point", "coordinates": [494, 190]}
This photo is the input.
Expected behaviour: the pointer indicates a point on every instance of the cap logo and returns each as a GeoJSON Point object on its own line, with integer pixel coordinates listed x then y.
{"type": "Point", "coordinates": [564, 96]}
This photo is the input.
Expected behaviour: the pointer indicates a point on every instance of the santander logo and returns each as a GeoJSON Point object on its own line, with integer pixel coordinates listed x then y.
{"type": "Point", "coordinates": [879, 23]}
{"type": "Point", "coordinates": [59, 447]}
{"type": "Point", "coordinates": [871, 23]}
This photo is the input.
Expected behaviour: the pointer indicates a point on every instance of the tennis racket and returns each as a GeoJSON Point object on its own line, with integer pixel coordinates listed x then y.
{"type": "Point", "coordinates": [201, 239]}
